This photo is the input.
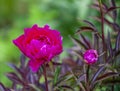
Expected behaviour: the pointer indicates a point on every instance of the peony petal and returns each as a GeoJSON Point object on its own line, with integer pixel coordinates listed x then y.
{"type": "Point", "coordinates": [35, 65]}
{"type": "Point", "coordinates": [28, 30]}
{"type": "Point", "coordinates": [33, 48]}
{"type": "Point", "coordinates": [19, 43]}
{"type": "Point", "coordinates": [46, 26]}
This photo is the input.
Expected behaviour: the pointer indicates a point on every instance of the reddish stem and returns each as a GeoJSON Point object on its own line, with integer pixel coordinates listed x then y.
{"type": "Point", "coordinates": [45, 76]}
{"type": "Point", "coordinates": [102, 28]}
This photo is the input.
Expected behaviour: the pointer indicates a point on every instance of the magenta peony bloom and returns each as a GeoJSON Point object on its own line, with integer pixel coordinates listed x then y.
{"type": "Point", "coordinates": [40, 44]}
{"type": "Point", "coordinates": [90, 56]}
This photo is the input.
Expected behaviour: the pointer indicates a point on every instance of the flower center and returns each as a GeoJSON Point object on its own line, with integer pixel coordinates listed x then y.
{"type": "Point", "coordinates": [92, 55]}
{"type": "Point", "coordinates": [44, 39]}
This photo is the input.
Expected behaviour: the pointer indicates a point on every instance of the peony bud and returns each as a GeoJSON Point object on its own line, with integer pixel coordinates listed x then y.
{"type": "Point", "coordinates": [90, 56]}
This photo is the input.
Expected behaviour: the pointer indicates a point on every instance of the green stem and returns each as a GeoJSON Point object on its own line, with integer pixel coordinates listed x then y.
{"type": "Point", "coordinates": [45, 76]}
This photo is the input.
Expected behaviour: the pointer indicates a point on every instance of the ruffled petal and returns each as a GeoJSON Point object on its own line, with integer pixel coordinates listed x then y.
{"type": "Point", "coordinates": [35, 65]}
{"type": "Point", "coordinates": [19, 43]}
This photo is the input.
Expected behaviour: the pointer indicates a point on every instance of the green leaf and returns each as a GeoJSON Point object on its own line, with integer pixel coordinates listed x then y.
{"type": "Point", "coordinates": [57, 72]}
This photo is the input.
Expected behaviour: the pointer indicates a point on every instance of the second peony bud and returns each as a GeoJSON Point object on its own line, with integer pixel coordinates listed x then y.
{"type": "Point", "coordinates": [90, 56]}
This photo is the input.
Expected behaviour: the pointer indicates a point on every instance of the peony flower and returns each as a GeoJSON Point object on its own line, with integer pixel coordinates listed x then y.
{"type": "Point", "coordinates": [40, 44]}
{"type": "Point", "coordinates": [90, 56]}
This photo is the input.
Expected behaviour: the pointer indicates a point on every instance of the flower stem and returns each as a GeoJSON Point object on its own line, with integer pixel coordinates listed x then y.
{"type": "Point", "coordinates": [102, 28]}
{"type": "Point", "coordinates": [45, 76]}
{"type": "Point", "coordinates": [87, 77]}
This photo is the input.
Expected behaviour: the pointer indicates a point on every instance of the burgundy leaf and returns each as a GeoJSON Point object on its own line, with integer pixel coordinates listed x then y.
{"type": "Point", "coordinates": [31, 78]}
{"type": "Point", "coordinates": [2, 88]}
{"type": "Point", "coordinates": [97, 74]}
{"type": "Point", "coordinates": [96, 6]}
{"type": "Point", "coordinates": [117, 53]}
{"type": "Point", "coordinates": [93, 26]}
{"type": "Point", "coordinates": [81, 77]}
{"type": "Point", "coordinates": [112, 2]}
{"type": "Point", "coordinates": [22, 72]}
{"type": "Point", "coordinates": [69, 61]}
{"type": "Point", "coordinates": [109, 45]}
{"type": "Point", "coordinates": [105, 20]}
{"type": "Point", "coordinates": [62, 78]}
{"type": "Point", "coordinates": [117, 44]}
{"type": "Point", "coordinates": [56, 63]}
{"type": "Point", "coordinates": [78, 53]}
{"type": "Point", "coordinates": [78, 42]}
{"type": "Point", "coordinates": [114, 13]}
{"type": "Point", "coordinates": [111, 9]}
{"type": "Point", "coordinates": [111, 81]}
{"type": "Point", "coordinates": [96, 42]}
{"type": "Point", "coordinates": [15, 68]}
{"type": "Point", "coordinates": [78, 72]}
{"type": "Point", "coordinates": [89, 23]}
{"type": "Point", "coordinates": [86, 41]}
{"type": "Point", "coordinates": [22, 61]}
{"type": "Point", "coordinates": [13, 77]}
{"type": "Point", "coordinates": [105, 76]}
{"type": "Point", "coordinates": [67, 87]}
{"type": "Point", "coordinates": [114, 26]}
{"type": "Point", "coordinates": [86, 28]}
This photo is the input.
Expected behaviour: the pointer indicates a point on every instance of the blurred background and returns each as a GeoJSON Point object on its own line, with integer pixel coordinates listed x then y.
{"type": "Point", "coordinates": [15, 15]}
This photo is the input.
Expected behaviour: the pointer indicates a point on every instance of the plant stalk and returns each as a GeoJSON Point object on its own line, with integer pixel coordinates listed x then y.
{"type": "Point", "coordinates": [87, 78]}
{"type": "Point", "coordinates": [102, 28]}
{"type": "Point", "coordinates": [45, 76]}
